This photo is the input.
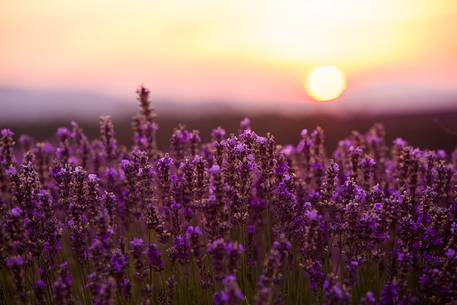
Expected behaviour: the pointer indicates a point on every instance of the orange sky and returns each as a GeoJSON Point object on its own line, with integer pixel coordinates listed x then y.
{"type": "Point", "coordinates": [257, 51]}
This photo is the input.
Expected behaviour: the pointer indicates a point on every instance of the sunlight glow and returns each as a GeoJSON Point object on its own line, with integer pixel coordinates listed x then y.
{"type": "Point", "coordinates": [325, 83]}
{"type": "Point", "coordinates": [202, 49]}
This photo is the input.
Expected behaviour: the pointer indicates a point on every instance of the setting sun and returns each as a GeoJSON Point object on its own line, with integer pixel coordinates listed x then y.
{"type": "Point", "coordinates": [325, 83]}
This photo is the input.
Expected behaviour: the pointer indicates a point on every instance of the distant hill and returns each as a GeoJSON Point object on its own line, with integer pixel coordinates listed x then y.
{"type": "Point", "coordinates": [426, 130]}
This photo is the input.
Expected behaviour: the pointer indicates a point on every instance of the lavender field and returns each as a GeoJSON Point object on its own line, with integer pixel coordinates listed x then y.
{"type": "Point", "coordinates": [238, 220]}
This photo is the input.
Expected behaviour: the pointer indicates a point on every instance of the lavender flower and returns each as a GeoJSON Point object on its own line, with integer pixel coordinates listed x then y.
{"type": "Point", "coordinates": [230, 294]}
{"type": "Point", "coordinates": [154, 257]}
{"type": "Point", "coordinates": [137, 249]}
{"type": "Point", "coordinates": [273, 271]}
{"type": "Point", "coordinates": [62, 286]}
{"type": "Point", "coordinates": [335, 293]}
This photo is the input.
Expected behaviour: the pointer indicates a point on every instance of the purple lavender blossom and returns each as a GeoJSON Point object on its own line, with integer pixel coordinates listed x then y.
{"type": "Point", "coordinates": [62, 286]}
{"type": "Point", "coordinates": [230, 294]}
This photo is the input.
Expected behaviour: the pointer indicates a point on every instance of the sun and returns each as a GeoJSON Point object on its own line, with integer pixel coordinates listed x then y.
{"type": "Point", "coordinates": [325, 83]}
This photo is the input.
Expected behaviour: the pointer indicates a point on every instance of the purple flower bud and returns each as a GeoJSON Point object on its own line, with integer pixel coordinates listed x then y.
{"type": "Point", "coordinates": [378, 206]}
{"type": "Point", "coordinates": [251, 229]}
{"type": "Point", "coordinates": [288, 150]}
{"type": "Point", "coordinates": [63, 133]}
{"type": "Point", "coordinates": [175, 206]}
{"type": "Point", "coordinates": [220, 298]}
{"type": "Point", "coordinates": [14, 261]}
{"type": "Point", "coordinates": [450, 253]}
{"type": "Point", "coordinates": [194, 230]}
{"type": "Point", "coordinates": [118, 262]}
{"type": "Point", "coordinates": [441, 154]}
{"type": "Point", "coordinates": [234, 248]}
{"type": "Point", "coordinates": [11, 171]}
{"type": "Point", "coordinates": [92, 178]}
{"type": "Point", "coordinates": [125, 287]}
{"type": "Point", "coordinates": [16, 212]}
{"type": "Point", "coordinates": [215, 169]}
{"type": "Point", "coordinates": [154, 257]}
{"type": "Point", "coordinates": [260, 140]}
{"type": "Point", "coordinates": [311, 214]}
{"type": "Point", "coordinates": [47, 148]}
{"type": "Point", "coordinates": [165, 162]}
{"type": "Point", "coordinates": [136, 243]}
{"type": "Point", "coordinates": [231, 293]}
{"type": "Point", "coordinates": [218, 133]}
{"type": "Point", "coordinates": [245, 123]}
{"type": "Point", "coordinates": [40, 284]}
{"type": "Point", "coordinates": [400, 142]}
{"type": "Point", "coordinates": [6, 133]}
{"type": "Point", "coordinates": [240, 148]}
{"type": "Point", "coordinates": [125, 164]}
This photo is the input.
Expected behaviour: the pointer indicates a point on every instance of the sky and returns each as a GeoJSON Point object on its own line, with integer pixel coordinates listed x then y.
{"type": "Point", "coordinates": [397, 55]}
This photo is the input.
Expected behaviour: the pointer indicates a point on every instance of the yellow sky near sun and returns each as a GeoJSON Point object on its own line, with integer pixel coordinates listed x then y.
{"type": "Point", "coordinates": [206, 48]}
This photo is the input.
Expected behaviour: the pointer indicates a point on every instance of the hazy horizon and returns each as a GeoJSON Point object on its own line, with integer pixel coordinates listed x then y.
{"type": "Point", "coordinates": [32, 104]}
